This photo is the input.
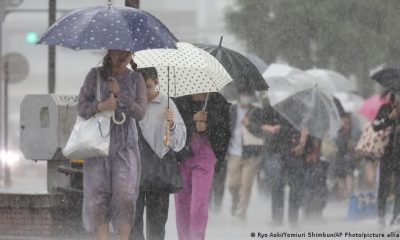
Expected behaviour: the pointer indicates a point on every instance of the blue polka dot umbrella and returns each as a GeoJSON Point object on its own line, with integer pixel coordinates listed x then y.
{"type": "Point", "coordinates": [109, 27]}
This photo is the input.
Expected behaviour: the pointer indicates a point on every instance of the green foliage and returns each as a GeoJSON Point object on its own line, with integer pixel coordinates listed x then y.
{"type": "Point", "coordinates": [350, 36]}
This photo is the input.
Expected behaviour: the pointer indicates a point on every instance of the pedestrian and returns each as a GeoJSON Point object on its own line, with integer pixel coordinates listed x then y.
{"type": "Point", "coordinates": [207, 124]}
{"type": "Point", "coordinates": [389, 116]}
{"type": "Point", "coordinates": [344, 165]}
{"type": "Point", "coordinates": [285, 157]}
{"type": "Point", "coordinates": [242, 158]}
{"type": "Point", "coordinates": [315, 194]}
{"type": "Point", "coordinates": [111, 184]}
{"type": "Point", "coordinates": [154, 151]}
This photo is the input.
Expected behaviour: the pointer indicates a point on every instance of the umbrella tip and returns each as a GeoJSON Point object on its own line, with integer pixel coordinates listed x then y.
{"type": "Point", "coordinates": [109, 3]}
{"type": "Point", "coordinates": [220, 41]}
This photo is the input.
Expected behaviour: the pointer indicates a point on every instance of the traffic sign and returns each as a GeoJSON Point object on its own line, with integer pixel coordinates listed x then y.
{"type": "Point", "coordinates": [15, 67]}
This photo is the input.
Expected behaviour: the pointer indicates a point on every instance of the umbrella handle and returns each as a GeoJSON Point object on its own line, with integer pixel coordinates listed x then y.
{"type": "Point", "coordinates": [116, 121]}
{"type": "Point", "coordinates": [166, 136]}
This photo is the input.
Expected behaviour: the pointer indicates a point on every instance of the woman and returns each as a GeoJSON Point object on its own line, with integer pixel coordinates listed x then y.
{"type": "Point", "coordinates": [389, 116]}
{"type": "Point", "coordinates": [154, 188]}
{"type": "Point", "coordinates": [207, 140]}
{"type": "Point", "coordinates": [111, 184]}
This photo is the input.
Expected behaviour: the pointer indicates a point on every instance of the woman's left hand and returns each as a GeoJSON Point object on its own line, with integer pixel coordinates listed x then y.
{"type": "Point", "coordinates": [113, 86]}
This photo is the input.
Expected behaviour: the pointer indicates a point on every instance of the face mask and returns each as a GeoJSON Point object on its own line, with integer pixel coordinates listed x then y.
{"type": "Point", "coordinates": [246, 100]}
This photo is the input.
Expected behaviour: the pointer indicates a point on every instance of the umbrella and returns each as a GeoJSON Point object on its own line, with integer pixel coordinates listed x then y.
{"type": "Point", "coordinates": [109, 27]}
{"type": "Point", "coordinates": [351, 102]}
{"type": "Point", "coordinates": [389, 78]}
{"type": "Point", "coordinates": [245, 75]}
{"type": "Point", "coordinates": [230, 91]}
{"type": "Point", "coordinates": [277, 70]}
{"type": "Point", "coordinates": [260, 64]}
{"type": "Point", "coordinates": [371, 106]}
{"type": "Point", "coordinates": [333, 81]}
{"type": "Point", "coordinates": [303, 104]}
{"type": "Point", "coordinates": [185, 71]}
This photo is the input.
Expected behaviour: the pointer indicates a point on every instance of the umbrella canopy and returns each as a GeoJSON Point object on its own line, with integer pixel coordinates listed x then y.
{"type": "Point", "coordinates": [260, 64]}
{"type": "Point", "coordinates": [351, 102]}
{"type": "Point", "coordinates": [371, 106]}
{"type": "Point", "coordinates": [389, 78]}
{"type": "Point", "coordinates": [304, 104]}
{"type": "Point", "coordinates": [245, 75]}
{"type": "Point", "coordinates": [185, 71]}
{"type": "Point", "coordinates": [230, 91]}
{"type": "Point", "coordinates": [109, 27]}
{"type": "Point", "coordinates": [277, 70]}
{"type": "Point", "coordinates": [333, 81]}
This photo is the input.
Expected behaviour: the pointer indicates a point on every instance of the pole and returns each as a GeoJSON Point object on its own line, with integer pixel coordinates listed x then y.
{"type": "Point", "coordinates": [2, 91]}
{"type": "Point", "coordinates": [132, 3]}
{"type": "Point", "coordinates": [6, 77]}
{"type": "Point", "coordinates": [52, 50]}
{"type": "Point", "coordinates": [2, 80]}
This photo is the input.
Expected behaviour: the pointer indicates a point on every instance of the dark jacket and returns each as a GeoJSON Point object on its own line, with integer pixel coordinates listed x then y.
{"type": "Point", "coordinates": [249, 150]}
{"type": "Point", "coordinates": [382, 121]}
{"type": "Point", "coordinates": [218, 131]}
{"type": "Point", "coordinates": [284, 140]}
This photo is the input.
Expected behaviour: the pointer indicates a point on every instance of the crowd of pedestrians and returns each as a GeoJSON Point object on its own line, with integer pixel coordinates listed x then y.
{"type": "Point", "coordinates": [207, 144]}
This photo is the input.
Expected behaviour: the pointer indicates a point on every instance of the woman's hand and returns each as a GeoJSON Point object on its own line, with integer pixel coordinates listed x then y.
{"type": "Point", "coordinates": [200, 116]}
{"type": "Point", "coordinates": [113, 85]}
{"type": "Point", "coordinates": [201, 126]}
{"type": "Point", "coordinates": [110, 104]}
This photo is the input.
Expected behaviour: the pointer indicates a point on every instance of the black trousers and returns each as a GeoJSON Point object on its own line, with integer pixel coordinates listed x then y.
{"type": "Point", "coordinates": [388, 167]}
{"type": "Point", "coordinates": [290, 170]}
{"type": "Point", "coordinates": [156, 204]}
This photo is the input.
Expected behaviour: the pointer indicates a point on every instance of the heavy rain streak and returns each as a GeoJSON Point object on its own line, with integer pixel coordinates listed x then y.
{"type": "Point", "coordinates": [199, 119]}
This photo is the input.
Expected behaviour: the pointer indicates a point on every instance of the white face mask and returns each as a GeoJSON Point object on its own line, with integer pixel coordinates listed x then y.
{"type": "Point", "coordinates": [245, 100]}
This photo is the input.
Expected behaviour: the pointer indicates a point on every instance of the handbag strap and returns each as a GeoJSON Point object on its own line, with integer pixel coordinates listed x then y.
{"type": "Point", "coordinates": [144, 146]}
{"type": "Point", "coordinates": [98, 99]}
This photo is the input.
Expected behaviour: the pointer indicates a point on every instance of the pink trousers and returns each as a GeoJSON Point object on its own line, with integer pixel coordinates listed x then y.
{"type": "Point", "coordinates": [191, 203]}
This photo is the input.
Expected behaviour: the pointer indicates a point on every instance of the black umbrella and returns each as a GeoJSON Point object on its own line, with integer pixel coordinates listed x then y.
{"type": "Point", "coordinates": [389, 78]}
{"type": "Point", "coordinates": [245, 75]}
{"type": "Point", "coordinates": [260, 64]}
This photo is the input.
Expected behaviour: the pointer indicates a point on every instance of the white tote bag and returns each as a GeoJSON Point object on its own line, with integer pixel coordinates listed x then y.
{"type": "Point", "coordinates": [91, 137]}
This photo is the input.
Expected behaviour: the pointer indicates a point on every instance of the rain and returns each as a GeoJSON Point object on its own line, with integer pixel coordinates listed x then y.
{"type": "Point", "coordinates": [257, 119]}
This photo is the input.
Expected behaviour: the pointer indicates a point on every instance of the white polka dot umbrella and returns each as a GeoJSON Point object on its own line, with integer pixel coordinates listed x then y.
{"type": "Point", "coordinates": [184, 71]}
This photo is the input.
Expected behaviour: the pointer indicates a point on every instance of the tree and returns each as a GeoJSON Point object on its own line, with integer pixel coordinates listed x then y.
{"type": "Point", "coordinates": [350, 36]}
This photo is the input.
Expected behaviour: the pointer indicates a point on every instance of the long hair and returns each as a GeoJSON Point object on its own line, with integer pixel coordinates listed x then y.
{"type": "Point", "coordinates": [107, 65]}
